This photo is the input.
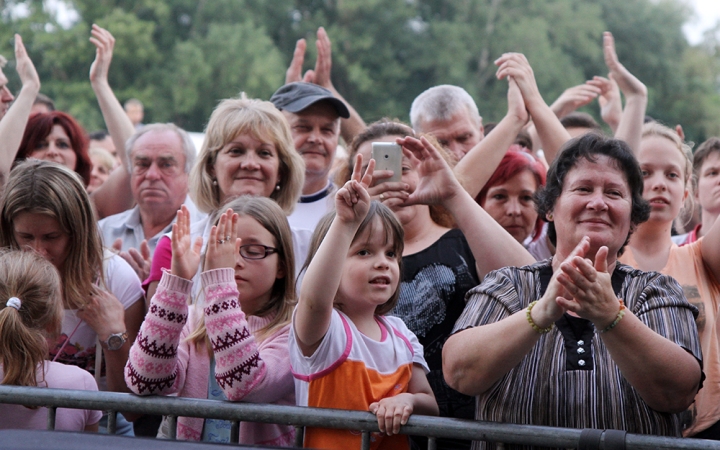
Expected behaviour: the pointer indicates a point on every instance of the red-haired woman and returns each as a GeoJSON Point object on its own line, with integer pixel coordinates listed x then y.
{"type": "Point", "coordinates": [57, 137]}
{"type": "Point", "coordinates": [508, 198]}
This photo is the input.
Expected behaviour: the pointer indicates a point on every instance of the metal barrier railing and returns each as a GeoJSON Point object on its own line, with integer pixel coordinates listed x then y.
{"type": "Point", "coordinates": [433, 427]}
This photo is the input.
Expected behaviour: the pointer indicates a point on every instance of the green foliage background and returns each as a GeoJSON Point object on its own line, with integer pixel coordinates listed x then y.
{"type": "Point", "coordinates": [181, 57]}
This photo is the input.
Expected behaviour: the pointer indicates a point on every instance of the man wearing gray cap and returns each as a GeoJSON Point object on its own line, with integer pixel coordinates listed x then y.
{"type": "Point", "coordinates": [313, 113]}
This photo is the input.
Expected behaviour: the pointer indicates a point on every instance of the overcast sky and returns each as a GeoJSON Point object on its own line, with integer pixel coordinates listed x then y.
{"type": "Point", "coordinates": [707, 14]}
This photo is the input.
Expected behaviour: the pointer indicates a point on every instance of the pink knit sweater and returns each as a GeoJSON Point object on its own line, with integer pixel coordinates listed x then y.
{"type": "Point", "coordinates": [162, 361]}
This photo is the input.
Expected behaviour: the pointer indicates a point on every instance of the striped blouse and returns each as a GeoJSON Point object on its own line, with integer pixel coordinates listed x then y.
{"type": "Point", "coordinates": [569, 379]}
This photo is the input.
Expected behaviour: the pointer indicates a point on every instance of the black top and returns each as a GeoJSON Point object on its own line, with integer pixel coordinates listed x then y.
{"type": "Point", "coordinates": [432, 297]}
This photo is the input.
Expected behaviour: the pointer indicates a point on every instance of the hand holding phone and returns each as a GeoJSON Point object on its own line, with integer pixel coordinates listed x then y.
{"type": "Point", "coordinates": [388, 156]}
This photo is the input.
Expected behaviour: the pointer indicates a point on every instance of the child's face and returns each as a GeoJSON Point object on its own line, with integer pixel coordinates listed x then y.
{"type": "Point", "coordinates": [255, 277]}
{"type": "Point", "coordinates": [371, 272]}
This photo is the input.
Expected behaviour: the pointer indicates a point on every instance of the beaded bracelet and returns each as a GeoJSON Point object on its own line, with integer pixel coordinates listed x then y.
{"type": "Point", "coordinates": [532, 323]}
{"type": "Point", "coordinates": [618, 318]}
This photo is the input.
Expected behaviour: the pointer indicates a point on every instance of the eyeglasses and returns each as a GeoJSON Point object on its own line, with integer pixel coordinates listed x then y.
{"type": "Point", "coordinates": [256, 251]}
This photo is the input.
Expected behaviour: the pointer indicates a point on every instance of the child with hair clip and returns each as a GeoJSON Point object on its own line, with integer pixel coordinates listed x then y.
{"type": "Point", "coordinates": [31, 312]}
{"type": "Point", "coordinates": [234, 345]}
{"type": "Point", "coordinates": [340, 336]}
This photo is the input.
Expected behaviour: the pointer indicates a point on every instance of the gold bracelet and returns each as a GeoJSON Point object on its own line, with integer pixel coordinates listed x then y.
{"type": "Point", "coordinates": [532, 323]}
{"type": "Point", "coordinates": [618, 318]}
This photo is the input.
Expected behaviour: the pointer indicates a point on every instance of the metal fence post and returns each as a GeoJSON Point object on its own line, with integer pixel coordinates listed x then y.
{"type": "Point", "coordinates": [172, 427]}
{"type": "Point", "coordinates": [112, 422]}
{"type": "Point", "coordinates": [51, 417]}
{"type": "Point", "coordinates": [235, 432]}
{"type": "Point", "coordinates": [365, 443]}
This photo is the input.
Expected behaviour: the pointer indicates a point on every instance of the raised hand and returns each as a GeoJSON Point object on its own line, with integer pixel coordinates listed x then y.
{"type": "Point", "coordinates": [24, 65]}
{"type": "Point", "coordinates": [185, 253]}
{"type": "Point", "coordinates": [516, 66]}
{"type": "Point", "coordinates": [516, 103]}
{"type": "Point", "coordinates": [627, 82]}
{"type": "Point", "coordinates": [223, 245]}
{"type": "Point", "coordinates": [104, 44]}
{"type": "Point", "coordinates": [437, 181]}
{"type": "Point", "coordinates": [575, 97]}
{"type": "Point", "coordinates": [610, 100]}
{"type": "Point", "coordinates": [294, 72]}
{"type": "Point", "coordinates": [323, 63]}
{"type": "Point", "coordinates": [589, 289]}
{"type": "Point", "coordinates": [352, 201]}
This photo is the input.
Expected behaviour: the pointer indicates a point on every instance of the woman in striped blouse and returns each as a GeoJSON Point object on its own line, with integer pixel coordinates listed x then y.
{"type": "Point", "coordinates": [581, 340]}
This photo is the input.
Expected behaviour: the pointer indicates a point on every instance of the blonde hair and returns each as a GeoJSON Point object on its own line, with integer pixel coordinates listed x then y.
{"type": "Point", "coordinates": [106, 159]}
{"type": "Point", "coordinates": [282, 297]}
{"type": "Point", "coordinates": [234, 117]}
{"type": "Point", "coordinates": [24, 331]}
{"type": "Point", "coordinates": [42, 187]}
{"type": "Point", "coordinates": [656, 129]}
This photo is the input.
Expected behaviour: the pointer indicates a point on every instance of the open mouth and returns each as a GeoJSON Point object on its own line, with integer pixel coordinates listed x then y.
{"type": "Point", "coordinates": [381, 280]}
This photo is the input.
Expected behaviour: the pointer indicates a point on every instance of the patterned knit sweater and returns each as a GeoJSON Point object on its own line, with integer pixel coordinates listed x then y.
{"type": "Point", "coordinates": [162, 362]}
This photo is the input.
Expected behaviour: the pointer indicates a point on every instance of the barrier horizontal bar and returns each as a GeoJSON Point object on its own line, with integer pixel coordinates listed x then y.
{"type": "Point", "coordinates": [327, 418]}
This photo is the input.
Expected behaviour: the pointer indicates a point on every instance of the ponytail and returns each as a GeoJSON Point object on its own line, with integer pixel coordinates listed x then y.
{"type": "Point", "coordinates": [31, 311]}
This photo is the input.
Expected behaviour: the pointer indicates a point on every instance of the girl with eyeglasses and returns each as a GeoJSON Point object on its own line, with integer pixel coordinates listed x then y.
{"type": "Point", "coordinates": [232, 344]}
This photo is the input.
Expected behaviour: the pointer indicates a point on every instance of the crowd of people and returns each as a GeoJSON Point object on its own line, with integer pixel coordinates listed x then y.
{"type": "Point", "coordinates": [528, 271]}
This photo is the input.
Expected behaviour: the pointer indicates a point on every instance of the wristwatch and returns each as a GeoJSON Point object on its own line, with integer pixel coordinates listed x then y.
{"type": "Point", "coordinates": [115, 341]}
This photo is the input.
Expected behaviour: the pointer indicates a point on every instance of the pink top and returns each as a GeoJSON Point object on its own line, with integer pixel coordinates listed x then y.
{"type": "Point", "coordinates": [57, 376]}
{"type": "Point", "coordinates": [161, 360]}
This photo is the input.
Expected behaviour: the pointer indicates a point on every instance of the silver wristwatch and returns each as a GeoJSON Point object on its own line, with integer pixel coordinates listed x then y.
{"type": "Point", "coordinates": [115, 341]}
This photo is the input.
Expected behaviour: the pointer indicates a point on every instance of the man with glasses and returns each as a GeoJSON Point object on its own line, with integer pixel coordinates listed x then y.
{"type": "Point", "coordinates": [160, 158]}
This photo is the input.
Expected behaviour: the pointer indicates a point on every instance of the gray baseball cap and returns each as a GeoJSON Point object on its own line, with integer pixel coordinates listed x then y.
{"type": "Point", "coordinates": [295, 97]}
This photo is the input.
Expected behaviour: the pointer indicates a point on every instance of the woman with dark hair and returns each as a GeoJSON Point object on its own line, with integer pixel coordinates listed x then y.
{"type": "Point", "coordinates": [56, 136]}
{"type": "Point", "coordinates": [575, 340]}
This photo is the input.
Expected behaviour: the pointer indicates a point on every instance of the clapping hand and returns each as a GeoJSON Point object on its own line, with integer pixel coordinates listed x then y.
{"type": "Point", "coordinates": [589, 288]}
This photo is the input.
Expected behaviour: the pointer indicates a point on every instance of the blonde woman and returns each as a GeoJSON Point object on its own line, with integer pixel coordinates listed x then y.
{"type": "Point", "coordinates": [666, 163]}
{"type": "Point", "coordinates": [248, 150]}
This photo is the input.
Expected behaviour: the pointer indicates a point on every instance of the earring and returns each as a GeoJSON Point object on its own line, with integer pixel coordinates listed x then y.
{"type": "Point", "coordinates": [550, 217]}
{"type": "Point", "coordinates": [277, 187]}
{"type": "Point", "coordinates": [214, 182]}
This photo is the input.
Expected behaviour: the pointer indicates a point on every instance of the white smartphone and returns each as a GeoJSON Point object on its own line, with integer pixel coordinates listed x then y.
{"type": "Point", "coordinates": [388, 156]}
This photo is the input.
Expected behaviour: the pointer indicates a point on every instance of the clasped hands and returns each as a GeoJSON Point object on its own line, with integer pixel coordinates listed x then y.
{"type": "Point", "coordinates": [581, 287]}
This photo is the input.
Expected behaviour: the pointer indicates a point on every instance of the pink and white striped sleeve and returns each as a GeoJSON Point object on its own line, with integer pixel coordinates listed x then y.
{"type": "Point", "coordinates": [153, 364]}
{"type": "Point", "coordinates": [238, 366]}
